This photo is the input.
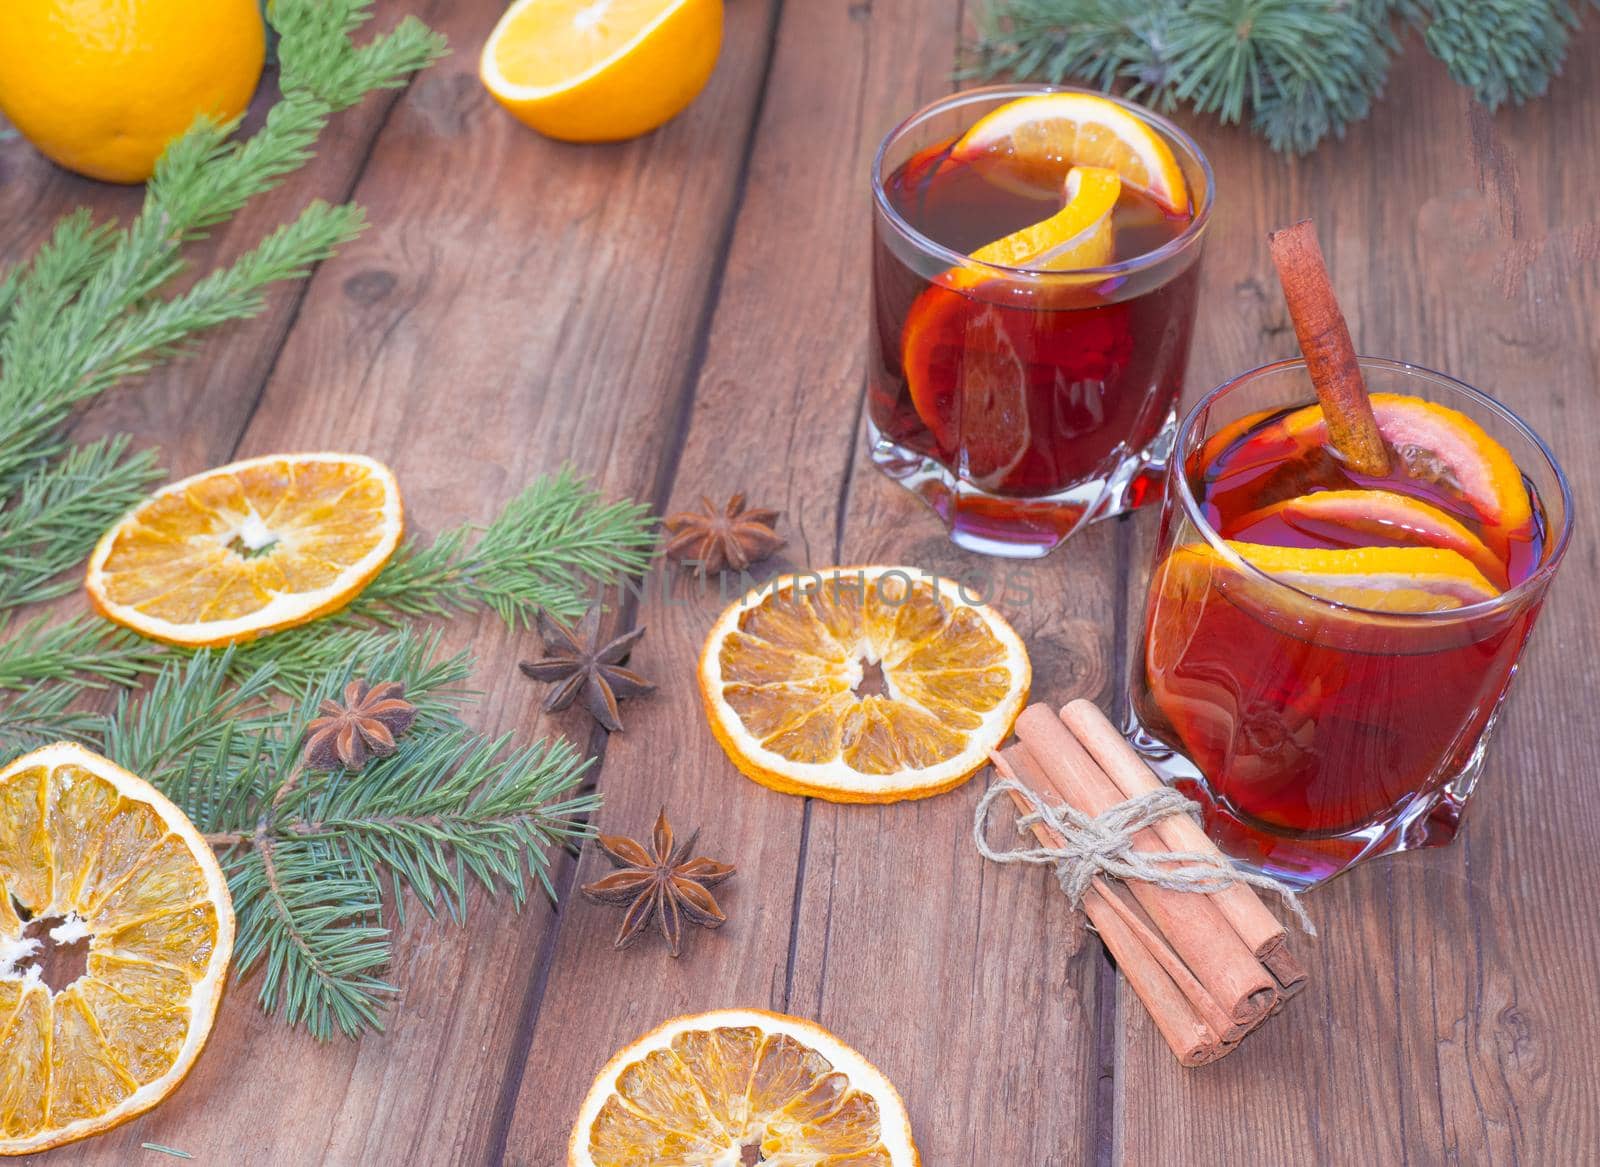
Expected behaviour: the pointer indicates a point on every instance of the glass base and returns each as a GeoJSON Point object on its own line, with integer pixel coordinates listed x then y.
{"type": "Point", "coordinates": [1024, 528]}
{"type": "Point", "coordinates": [1304, 861]}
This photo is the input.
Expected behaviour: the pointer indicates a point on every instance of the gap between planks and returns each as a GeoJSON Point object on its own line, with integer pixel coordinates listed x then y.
{"type": "Point", "coordinates": [627, 615]}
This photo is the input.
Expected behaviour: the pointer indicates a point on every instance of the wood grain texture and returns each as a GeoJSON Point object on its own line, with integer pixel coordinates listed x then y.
{"type": "Point", "coordinates": [902, 943]}
{"type": "Point", "coordinates": [1448, 1016]}
{"type": "Point", "coordinates": [686, 315]}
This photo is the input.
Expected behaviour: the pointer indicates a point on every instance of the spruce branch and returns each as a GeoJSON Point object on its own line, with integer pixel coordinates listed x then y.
{"type": "Point", "coordinates": [52, 513]}
{"type": "Point", "coordinates": [80, 654]}
{"type": "Point", "coordinates": [547, 550]}
{"type": "Point", "coordinates": [307, 920]}
{"type": "Point", "coordinates": [308, 853]}
{"type": "Point", "coordinates": [192, 720]}
{"type": "Point", "coordinates": [1298, 70]}
{"type": "Point", "coordinates": [35, 717]}
{"type": "Point", "coordinates": [544, 551]}
{"type": "Point", "coordinates": [1500, 49]}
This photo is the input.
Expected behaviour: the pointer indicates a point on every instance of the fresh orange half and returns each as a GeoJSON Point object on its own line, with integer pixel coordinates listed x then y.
{"type": "Point", "coordinates": [1032, 142]}
{"type": "Point", "coordinates": [89, 853]}
{"type": "Point", "coordinates": [601, 70]}
{"type": "Point", "coordinates": [737, 1086]}
{"type": "Point", "coordinates": [1376, 579]}
{"type": "Point", "coordinates": [250, 548]}
{"type": "Point", "coordinates": [862, 684]}
{"type": "Point", "coordinates": [1367, 518]}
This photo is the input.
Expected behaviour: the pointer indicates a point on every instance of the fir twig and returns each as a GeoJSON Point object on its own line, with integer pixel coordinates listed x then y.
{"type": "Point", "coordinates": [57, 510]}
{"type": "Point", "coordinates": [544, 551]}
{"type": "Point", "coordinates": [1298, 70]}
{"type": "Point", "coordinates": [307, 854]}
{"type": "Point", "coordinates": [547, 550]}
{"type": "Point", "coordinates": [79, 654]}
{"type": "Point", "coordinates": [38, 716]}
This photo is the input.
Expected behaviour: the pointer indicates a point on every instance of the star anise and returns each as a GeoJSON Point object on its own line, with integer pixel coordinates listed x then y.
{"type": "Point", "coordinates": [662, 882]}
{"type": "Point", "coordinates": [364, 725]}
{"type": "Point", "coordinates": [579, 663]}
{"type": "Point", "coordinates": [734, 536]}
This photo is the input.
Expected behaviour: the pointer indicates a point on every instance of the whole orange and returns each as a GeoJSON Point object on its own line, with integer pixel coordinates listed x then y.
{"type": "Point", "coordinates": [101, 86]}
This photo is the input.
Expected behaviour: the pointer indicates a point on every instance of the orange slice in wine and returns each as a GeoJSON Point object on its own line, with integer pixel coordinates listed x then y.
{"type": "Point", "coordinates": [967, 380]}
{"type": "Point", "coordinates": [1435, 444]}
{"type": "Point", "coordinates": [1077, 236]}
{"type": "Point", "coordinates": [1030, 144]}
{"type": "Point", "coordinates": [1375, 579]}
{"type": "Point", "coordinates": [1367, 518]}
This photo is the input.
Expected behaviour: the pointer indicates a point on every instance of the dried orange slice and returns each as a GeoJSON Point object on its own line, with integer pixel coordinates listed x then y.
{"type": "Point", "coordinates": [1033, 141]}
{"type": "Point", "coordinates": [1366, 518]}
{"type": "Point", "coordinates": [738, 1086]}
{"type": "Point", "coordinates": [861, 684]}
{"type": "Point", "coordinates": [88, 852]}
{"type": "Point", "coordinates": [249, 548]}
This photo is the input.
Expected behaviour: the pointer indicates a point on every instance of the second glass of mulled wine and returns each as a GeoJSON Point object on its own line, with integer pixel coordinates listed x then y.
{"type": "Point", "coordinates": [1325, 652]}
{"type": "Point", "coordinates": [1035, 270]}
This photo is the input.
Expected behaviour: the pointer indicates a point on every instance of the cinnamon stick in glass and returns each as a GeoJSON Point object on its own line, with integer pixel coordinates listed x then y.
{"type": "Point", "coordinates": [1191, 923]}
{"type": "Point", "coordinates": [1330, 355]}
{"type": "Point", "coordinates": [1191, 1040]}
{"type": "Point", "coordinates": [1239, 904]}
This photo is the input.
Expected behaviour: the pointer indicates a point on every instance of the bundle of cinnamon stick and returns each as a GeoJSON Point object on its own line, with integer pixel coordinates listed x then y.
{"type": "Point", "coordinates": [1209, 966]}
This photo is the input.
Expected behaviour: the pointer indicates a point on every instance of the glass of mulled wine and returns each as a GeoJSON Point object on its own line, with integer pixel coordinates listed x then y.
{"type": "Point", "coordinates": [1324, 652]}
{"type": "Point", "coordinates": [1035, 267]}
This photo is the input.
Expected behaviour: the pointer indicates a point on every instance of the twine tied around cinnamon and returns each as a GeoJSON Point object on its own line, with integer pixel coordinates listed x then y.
{"type": "Point", "coordinates": [1103, 845]}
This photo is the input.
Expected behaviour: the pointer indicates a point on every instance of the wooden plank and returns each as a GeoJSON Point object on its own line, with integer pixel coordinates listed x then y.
{"type": "Point", "coordinates": [517, 304]}
{"type": "Point", "coordinates": [1448, 1016]}
{"type": "Point", "coordinates": [902, 943]}
{"type": "Point", "coordinates": [981, 998]}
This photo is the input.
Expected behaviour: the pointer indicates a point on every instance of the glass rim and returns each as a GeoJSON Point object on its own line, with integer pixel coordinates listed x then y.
{"type": "Point", "coordinates": [1177, 245]}
{"type": "Point", "coordinates": [1555, 549]}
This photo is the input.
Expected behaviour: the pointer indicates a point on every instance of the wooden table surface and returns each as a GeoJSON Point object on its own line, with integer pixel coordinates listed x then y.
{"type": "Point", "coordinates": [687, 314]}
